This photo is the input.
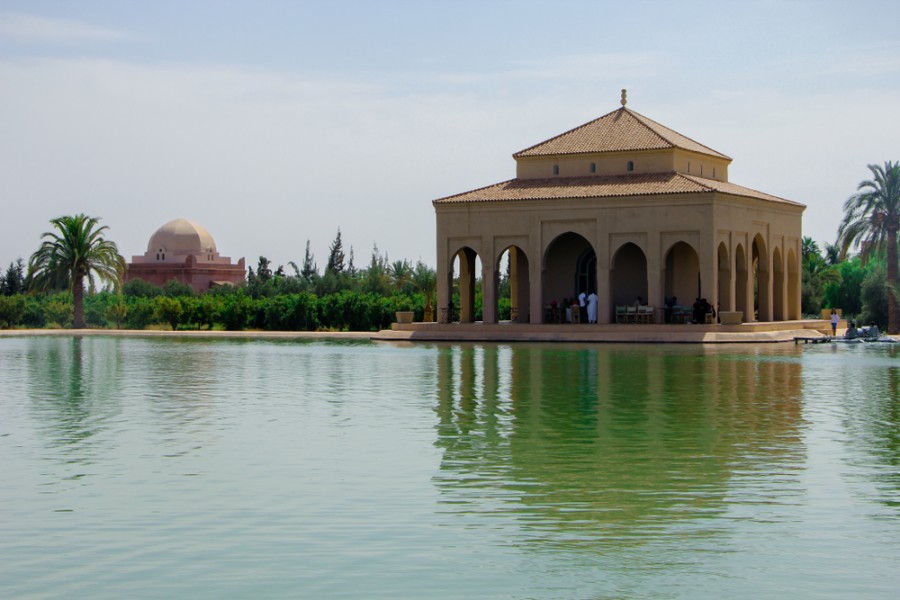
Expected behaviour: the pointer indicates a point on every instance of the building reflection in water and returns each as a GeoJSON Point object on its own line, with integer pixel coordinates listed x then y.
{"type": "Point", "coordinates": [602, 443]}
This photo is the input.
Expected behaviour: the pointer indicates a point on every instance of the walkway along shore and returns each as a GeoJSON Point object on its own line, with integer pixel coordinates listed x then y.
{"type": "Point", "coordinates": [784, 331]}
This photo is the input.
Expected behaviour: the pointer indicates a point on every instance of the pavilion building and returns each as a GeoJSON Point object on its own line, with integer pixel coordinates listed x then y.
{"type": "Point", "coordinates": [185, 252]}
{"type": "Point", "coordinates": [625, 207]}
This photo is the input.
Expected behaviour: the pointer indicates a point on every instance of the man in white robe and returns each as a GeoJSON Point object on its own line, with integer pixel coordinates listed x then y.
{"type": "Point", "coordinates": [592, 307]}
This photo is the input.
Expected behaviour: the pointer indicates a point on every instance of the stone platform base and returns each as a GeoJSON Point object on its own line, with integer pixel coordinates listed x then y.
{"type": "Point", "coordinates": [782, 331]}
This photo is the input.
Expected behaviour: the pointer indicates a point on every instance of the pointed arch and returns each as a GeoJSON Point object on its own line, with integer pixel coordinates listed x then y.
{"type": "Point", "coordinates": [762, 286]}
{"type": "Point", "coordinates": [564, 256]}
{"type": "Point", "coordinates": [511, 268]}
{"type": "Point", "coordinates": [682, 273]}
{"type": "Point", "coordinates": [741, 280]}
{"type": "Point", "coordinates": [725, 300]}
{"type": "Point", "coordinates": [628, 275]}
{"type": "Point", "coordinates": [779, 308]}
{"type": "Point", "coordinates": [463, 277]}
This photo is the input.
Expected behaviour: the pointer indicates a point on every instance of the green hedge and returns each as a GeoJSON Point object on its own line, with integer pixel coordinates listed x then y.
{"type": "Point", "coordinates": [143, 306]}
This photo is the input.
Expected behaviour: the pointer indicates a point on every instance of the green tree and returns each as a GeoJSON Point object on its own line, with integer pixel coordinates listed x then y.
{"type": "Point", "coordinates": [75, 252]}
{"type": "Point", "coordinates": [843, 292]}
{"type": "Point", "coordinates": [874, 297]}
{"type": "Point", "coordinates": [375, 278]}
{"type": "Point", "coordinates": [425, 280]}
{"type": "Point", "coordinates": [400, 272]}
{"type": "Point", "coordinates": [12, 310]}
{"type": "Point", "coordinates": [818, 273]}
{"type": "Point", "coordinates": [168, 310]}
{"type": "Point", "coordinates": [13, 282]}
{"type": "Point", "coordinates": [336, 255]}
{"type": "Point", "coordinates": [140, 312]}
{"type": "Point", "coordinates": [872, 221]}
{"type": "Point", "coordinates": [140, 288]}
{"type": "Point", "coordinates": [310, 269]}
{"type": "Point", "coordinates": [175, 289]}
{"type": "Point", "coordinates": [117, 311]}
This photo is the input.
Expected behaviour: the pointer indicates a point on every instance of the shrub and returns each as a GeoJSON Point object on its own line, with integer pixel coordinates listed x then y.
{"type": "Point", "coordinates": [140, 313]}
{"type": "Point", "coordinates": [12, 310]}
{"type": "Point", "coordinates": [141, 289]}
{"type": "Point", "coordinates": [234, 311]}
{"type": "Point", "coordinates": [58, 310]}
{"type": "Point", "coordinates": [291, 312]}
{"type": "Point", "coordinates": [168, 310]}
{"type": "Point", "coordinates": [176, 289]}
{"type": "Point", "coordinates": [874, 297]}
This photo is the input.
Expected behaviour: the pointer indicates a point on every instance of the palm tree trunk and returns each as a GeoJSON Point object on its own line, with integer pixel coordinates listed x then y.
{"type": "Point", "coordinates": [892, 281]}
{"type": "Point", "coordinates": [78, 301]}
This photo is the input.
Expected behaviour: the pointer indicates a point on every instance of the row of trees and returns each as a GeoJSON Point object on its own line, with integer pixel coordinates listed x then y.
{"type": "Point", "coordinates": [76, 252]}
{"type": "Point", "coordinates": [864, 285]}
{"type": "Point", "coordinates": [144, 305]}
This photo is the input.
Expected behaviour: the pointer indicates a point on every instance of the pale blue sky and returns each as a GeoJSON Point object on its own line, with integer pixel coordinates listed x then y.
{"type": "Point", "coordinates": [271, 123]}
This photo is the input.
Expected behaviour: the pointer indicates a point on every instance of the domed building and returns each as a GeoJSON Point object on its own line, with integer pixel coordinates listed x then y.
{"type": "Point", "coordinates": [186, 252]}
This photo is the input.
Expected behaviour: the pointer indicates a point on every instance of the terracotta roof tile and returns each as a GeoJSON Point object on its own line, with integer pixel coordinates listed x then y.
{"type": "Point", "coordinates": [604, 186]}
{"type": "Point", "coordinates": [618, 131]}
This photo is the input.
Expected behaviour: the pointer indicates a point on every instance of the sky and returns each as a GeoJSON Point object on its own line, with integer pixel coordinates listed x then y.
{"type": "Point", "coordinates": [274, 123]}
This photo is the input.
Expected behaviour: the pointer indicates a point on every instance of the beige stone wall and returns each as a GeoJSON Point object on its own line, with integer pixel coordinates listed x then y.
{"type": "Point", "coordinates": [616, 163]}
{"type": "Point", "coordinates": [655, 225]}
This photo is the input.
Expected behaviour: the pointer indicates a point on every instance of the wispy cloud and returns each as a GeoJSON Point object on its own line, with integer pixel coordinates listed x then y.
{"type": "Point", "coordinates": [32, 29]}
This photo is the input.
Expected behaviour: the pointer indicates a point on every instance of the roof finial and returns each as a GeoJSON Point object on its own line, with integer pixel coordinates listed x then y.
{"type": "Point", "coordinates": [624, 97]}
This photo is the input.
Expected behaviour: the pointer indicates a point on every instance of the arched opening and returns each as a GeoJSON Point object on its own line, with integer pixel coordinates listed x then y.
{"type": "Point", "coordinates": [778, 304]}
{"type": "Point", "coordinates": [725, 301]}
{"type": "Point", "coordinates": [741, 279]}
{"type": "Point", "coordinates": [586, 272]}
{"type": "Point", "coordinates": [682, 275]}
{"type": "Point", "coordinates": [762, 285]}
{"type": "Point", "coordinates": [793, 292]}
{"type": "Point", "coordinates": [570, 267]}
{"type": "Point", "coordinates": [628, 276]}
{"type": "Point", "coordinates": [513, 289]}
{"type": "Point", "coordinates": [464, 284]}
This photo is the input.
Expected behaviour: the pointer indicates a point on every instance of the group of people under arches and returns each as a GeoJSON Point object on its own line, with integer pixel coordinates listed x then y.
{"type": "Point", "coordinates": [701, 312]}
{"type": "Point", "coordinates": [580, 309]}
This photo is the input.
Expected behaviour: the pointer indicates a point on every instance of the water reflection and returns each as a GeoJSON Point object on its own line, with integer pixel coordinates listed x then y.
{"type": "Point", "coordinates": [869, 385]}
{"type": "Point", "coordinates": [609, 443]}
{"type": "Point", "coordinates": [71, 383]}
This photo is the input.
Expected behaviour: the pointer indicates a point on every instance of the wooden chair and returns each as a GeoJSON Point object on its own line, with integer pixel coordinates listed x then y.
{"type": "Point", "coordinates": [620, 314]}
{"type": "Point", "coordinates": [630, 314]}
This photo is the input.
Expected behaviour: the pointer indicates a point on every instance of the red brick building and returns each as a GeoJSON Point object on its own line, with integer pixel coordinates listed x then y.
{"type": "Point", "coordinates": [186, 252]}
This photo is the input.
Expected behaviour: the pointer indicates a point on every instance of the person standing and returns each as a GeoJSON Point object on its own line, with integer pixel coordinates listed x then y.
{"type": "Point", "coordinates": [582, 306]}
{"type": "Point", "coordinates": [835, 318]}
{"type": "Point", "coordinates": [592, 307]}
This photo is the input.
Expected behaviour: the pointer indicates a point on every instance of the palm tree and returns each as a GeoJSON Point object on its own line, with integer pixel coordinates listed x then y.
{"type": "Point", "coordinates": [425, 279]}
{"type": "Point", "coordinates": [872, 220]}
{"type": "Point", "coordinates": [400, 272]}
{"type": "Point", "coordinates": [74, 252]}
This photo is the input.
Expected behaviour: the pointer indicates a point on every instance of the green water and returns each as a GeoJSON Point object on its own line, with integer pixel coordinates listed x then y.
{"type": "Point", "coordinates": [147, 468]}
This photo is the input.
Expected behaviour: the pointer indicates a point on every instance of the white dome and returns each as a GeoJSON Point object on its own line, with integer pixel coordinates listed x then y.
{"type": "Point", "coordinates": [181, 237]}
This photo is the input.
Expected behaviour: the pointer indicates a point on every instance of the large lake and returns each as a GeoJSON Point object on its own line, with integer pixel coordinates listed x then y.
{"type": "Point", "coordinates": [174, 468]}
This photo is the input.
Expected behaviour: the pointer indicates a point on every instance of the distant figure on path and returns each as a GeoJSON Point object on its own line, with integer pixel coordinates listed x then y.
{"type": "Point", "coordinates": [592, 308]}
{"type": "Point", "coordinates": [834, 321]}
